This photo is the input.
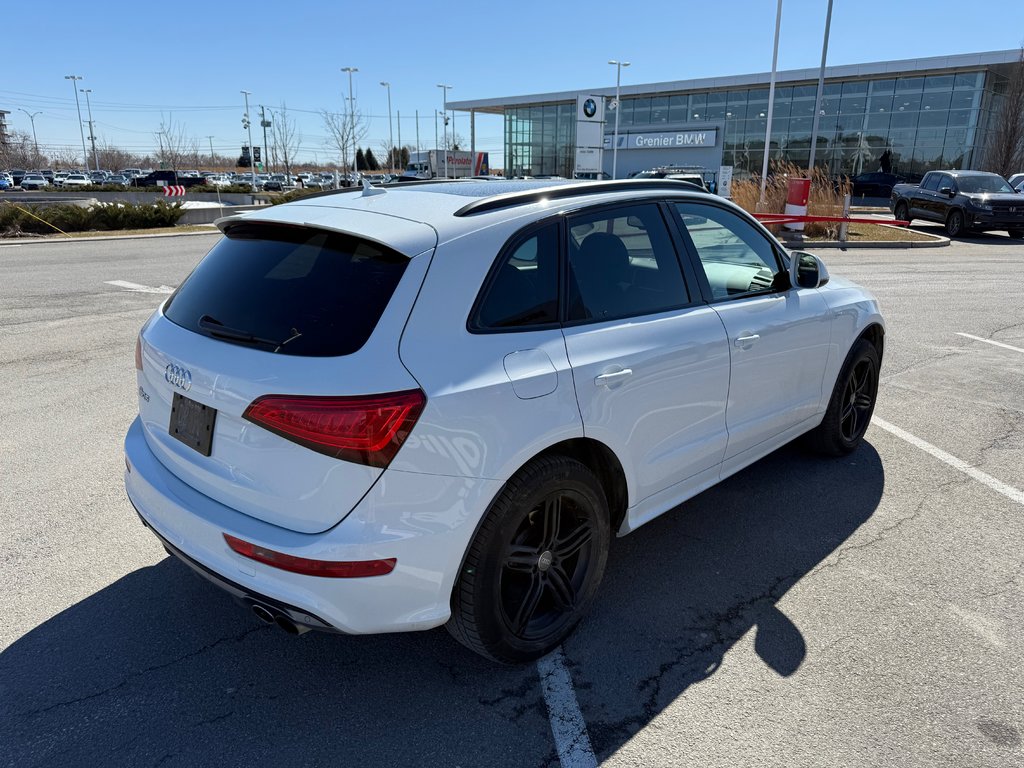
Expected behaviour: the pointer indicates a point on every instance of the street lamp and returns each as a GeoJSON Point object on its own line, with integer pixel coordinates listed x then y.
{"type": "Point", "coordinates": [32, 117]}
{"type": "Point", "coordinates": [391, 131]}
{"type": "Point", "coordinates": [248, 127]}
{"type": "Point", "coordinates": [615, 139]}
{"type": "Point", "coordinates": [92, 129]}
{"type": "Point", "coordinates": [78, 106]}
{"type": "Point", "coordinates": [445, 88]}
{"type": "Point", "coordinates": [352, 116]}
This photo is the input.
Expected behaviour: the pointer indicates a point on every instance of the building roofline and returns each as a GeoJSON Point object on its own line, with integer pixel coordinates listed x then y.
{"type": "Point", "coordinates": [842, 71]}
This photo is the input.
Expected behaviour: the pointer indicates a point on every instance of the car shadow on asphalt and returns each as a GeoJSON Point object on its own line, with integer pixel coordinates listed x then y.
{"type": "Point", "coordinates": [162, 667]}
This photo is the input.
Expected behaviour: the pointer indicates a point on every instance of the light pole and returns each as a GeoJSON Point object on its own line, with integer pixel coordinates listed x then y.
{"type": "Point", "coordinates": [615, 138]}
{"type": "Point", "coordinates": [266, 124]}
{"type": "Point", "coordinates": [32, 117]}
{"type": "Point", "coordinates": [352, 116]}
{"type": "Point", "coordinates": [821, 89]}
{"type": "Point", "coordinates": [444, 87]}
{"type": "Point", "coordinates": [391, 130]}
{"type": "Point", "coordinates": [78, 106]}
{"type": "Point", "coordinates": [92, 129]}
{"type": "Point", "coordinates": [771, 108]}
{"type": "Point", "coordinates": [248, 127]}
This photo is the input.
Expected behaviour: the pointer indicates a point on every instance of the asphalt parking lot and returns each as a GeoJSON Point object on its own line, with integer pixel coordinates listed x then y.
{"type": "Point", "coordinates": [806, 612]}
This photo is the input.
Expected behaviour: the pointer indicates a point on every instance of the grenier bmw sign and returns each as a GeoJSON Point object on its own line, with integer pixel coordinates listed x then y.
{"type": "Point", "coordinates": [706, 137]}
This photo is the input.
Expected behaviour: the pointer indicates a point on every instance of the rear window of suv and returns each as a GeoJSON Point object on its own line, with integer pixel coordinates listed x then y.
{"type": "Point", "coordinates": [289, 290]}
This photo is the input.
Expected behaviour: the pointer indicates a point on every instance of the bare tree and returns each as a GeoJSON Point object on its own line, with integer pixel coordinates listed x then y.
{"type": "Point", "coordinates": [176, 147]}
{"type": "Point", "coordinates": [287, 138]}
{"type": "Point", "coordinates": [64, 157]}
{"type": "Point", "coordinates": [19, 151]}
{"type": "Point", "coordinates": [1005, 154]}
{"type": "Point", "coordinates": [115, 158]}
{"type": "Point", "coordinates": [455, 142]}
{"type": "Point", "coordinates": [346, 130]}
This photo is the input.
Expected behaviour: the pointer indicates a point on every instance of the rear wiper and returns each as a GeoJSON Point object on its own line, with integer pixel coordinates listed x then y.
{"type": "Point", "coordinates": [216, 328]}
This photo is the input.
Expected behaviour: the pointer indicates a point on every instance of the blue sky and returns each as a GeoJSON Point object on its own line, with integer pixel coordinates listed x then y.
{"type": "Point", "coordinates": [187, 61]}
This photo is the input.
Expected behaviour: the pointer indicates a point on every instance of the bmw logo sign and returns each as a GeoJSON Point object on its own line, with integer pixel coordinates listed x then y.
{"type": "Point", "coordinates": [589, 107]}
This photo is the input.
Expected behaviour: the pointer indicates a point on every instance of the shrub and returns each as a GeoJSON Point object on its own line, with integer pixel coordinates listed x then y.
{"type": "Point", "coordinates": [15, 219]}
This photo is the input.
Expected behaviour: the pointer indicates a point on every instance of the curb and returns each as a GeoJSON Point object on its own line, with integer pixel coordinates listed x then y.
{"type": "Point", "coordinates": [40, 240]}
{"type": "Point", "coordinates": [937, 241]}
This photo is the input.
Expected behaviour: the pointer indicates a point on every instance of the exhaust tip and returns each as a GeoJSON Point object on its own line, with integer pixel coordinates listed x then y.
{"type": "Point", "coordinates": [286, 624]}
{"type": "Point", "coordinates": [263, 614]}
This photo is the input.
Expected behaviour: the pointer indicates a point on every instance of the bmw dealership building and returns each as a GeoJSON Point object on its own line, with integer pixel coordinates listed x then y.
{"type": "Point", "coordinates": [925, 113]}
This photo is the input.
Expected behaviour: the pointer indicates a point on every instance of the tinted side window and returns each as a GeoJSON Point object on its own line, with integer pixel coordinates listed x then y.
{"type": "Point", "coordinates": [290, 290]}
{"type": "Point", "coordinates": [523, 290]}
{"type": "Point", "coordinates": [737, 259]}
{"type": "Point", "coordinates": [621, 264]}
{"type": "Point", "coordinates": [931, 182]}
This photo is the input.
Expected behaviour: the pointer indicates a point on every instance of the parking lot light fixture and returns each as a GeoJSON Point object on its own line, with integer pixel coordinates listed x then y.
{"type": "Point", "coordinates": [78, 106]}
{"type": "Point", "coordinates": [248, 127]}
{"type": "Point", "coordinates": [445, 87]}
{"type": "Point", "coordinates": [615, 138]}
{"type": "Point", "coordinates": [352, 117]}
{"type": "Point", "coordinates": [32, 117]}
{"type": "Point", "coordinates": [92, 127]}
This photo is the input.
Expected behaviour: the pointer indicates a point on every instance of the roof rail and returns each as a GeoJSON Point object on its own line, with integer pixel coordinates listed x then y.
{"type": "Point", "coordinates": [390, 184]}
{"type": "Point", "coordinates": [512, 199]}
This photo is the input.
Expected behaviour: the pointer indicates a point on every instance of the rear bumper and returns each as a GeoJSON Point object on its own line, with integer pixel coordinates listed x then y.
{"type": "Point", "coordinates": [424, 521]}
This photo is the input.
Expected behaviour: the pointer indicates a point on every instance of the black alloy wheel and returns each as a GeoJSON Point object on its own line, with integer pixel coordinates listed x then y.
{"type": "Point", "coordinates": [851, 405]}
{"type": "Point", "coordinates": [955, 223]}
{"type": "Point", "coordinates": [533, 568]}
{"type": "Point", "coordinates": [901, 213]}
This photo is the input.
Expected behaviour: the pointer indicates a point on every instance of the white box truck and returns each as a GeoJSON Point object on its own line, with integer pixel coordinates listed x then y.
{"type": "Point", "coordinates": [431, 164]}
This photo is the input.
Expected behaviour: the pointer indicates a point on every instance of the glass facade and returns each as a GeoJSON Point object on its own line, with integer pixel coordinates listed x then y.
{"type": "Point", "coordinates": [923, 122]}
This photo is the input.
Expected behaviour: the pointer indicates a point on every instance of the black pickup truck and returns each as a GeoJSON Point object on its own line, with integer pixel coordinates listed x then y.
{"type": "Point", "coordinates": [965, 201]}
{"type": "Point", "coordinates": [167, 177]}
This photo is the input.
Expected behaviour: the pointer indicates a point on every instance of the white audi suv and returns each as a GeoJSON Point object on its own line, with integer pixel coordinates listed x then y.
{"type": "Point", "coordinates": [391, 409]}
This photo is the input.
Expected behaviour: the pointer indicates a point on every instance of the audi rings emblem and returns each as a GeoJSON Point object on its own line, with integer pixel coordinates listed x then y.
{"type": "Point", "coordinates": [178, 377]}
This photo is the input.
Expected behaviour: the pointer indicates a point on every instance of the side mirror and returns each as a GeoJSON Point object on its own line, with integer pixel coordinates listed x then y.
{"type": "Point", "coordinates": [806, 270]}
{"type": "Point", "coordinates": [947, 191]}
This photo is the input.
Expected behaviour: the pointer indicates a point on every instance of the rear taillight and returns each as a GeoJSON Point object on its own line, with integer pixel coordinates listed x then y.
{"type": "Point", "coordinates": [138, 353]}
{"type": "Point", "coordinates": [366, 429]}
{"type": "Point", "coordinates": [334, 569]}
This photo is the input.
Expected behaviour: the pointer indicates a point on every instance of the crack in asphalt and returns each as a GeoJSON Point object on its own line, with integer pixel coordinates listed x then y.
{"type": "Point", "coordinates": [1007, 584]}
{"type": "Point", "coordinates": [155, 668]}
{"type": "Point", "coordinates": [725, 629]}
{"type": "Point", "coordinates": [519, 694]}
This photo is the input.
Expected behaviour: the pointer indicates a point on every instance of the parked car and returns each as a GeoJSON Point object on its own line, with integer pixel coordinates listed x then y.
{"type": "Point", "coordinates": [874, 184]}
{"type": "Point", "coordinates": [17, 174]}
{"type": "Point", "coordinates": [58, 178]}
{"type": "Point", "coordinates": [427, 430]}
{"type": "Point", "coordinates": [34, 181]}
{"type": "Point", "coordinates": [76, 180]}
{"type": "Point", "coordinates": [118, 180]}
{"type": "Point", "coordinates": [5, 182]}
{"type": "Point", "coordinates": [964, 201]}
{"type": "Point", "coordinates": [98, 177]}
{"type": "Point", "coordinates": [693, 179]}
{"type": "Point", "coordinates": [1016, 181]}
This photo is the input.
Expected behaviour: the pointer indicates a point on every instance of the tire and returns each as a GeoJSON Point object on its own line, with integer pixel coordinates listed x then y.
{"type": "Point", "coordinates": [901, 212]}
{"type": "Point", "coordinates": [534, 566]}
{"type": "Point", "coordinates": [955, 223]}
{"type": "Point", "coordinates": [851, 405]}
{"type": "Point", "coordinates": [1016, 234]}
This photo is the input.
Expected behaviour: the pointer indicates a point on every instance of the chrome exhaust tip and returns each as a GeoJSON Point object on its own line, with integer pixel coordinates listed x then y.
{"type": "Point", "coordinates": [263, 614]}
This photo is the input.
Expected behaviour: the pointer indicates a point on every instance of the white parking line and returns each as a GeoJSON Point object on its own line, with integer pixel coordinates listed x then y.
{"type": "Point", "coordinates": [989, 341]}
{"type": "Point", "coordinates": [135, 287]}
{"type": "Point", "coordinates": [567, 725]}
{"type": "Point", "coordinates": [998, 486]}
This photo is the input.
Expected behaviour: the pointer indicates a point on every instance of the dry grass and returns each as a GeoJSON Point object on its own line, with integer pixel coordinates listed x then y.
{"type": "Point", "coordinates": [826, 197]}
{"type": "Point", "coordinates": [128, 232]}
{"type": "Point", "coordinates": [879, 233]}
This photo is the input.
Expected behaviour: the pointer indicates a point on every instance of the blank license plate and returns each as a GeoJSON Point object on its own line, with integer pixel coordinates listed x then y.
{"type": "Point", "coordinates": [192, 423]}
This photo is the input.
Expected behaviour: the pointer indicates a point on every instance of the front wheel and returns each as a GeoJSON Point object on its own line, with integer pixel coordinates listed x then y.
{"type": "Point", "coordinates": [852, 404]}
{"type": "Point", "coordinates": [534, 566]}
{"type": "Point", "coordinates": [955, 223]}
{"type": "Point", "coordinates": [901, 213]}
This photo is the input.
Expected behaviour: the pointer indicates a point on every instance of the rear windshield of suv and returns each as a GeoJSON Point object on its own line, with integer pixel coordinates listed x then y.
{"type": "Point", "coordinates": [289, 290]}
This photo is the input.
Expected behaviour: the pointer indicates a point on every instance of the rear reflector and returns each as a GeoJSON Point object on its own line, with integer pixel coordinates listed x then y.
{"type": "Point", "coordinates": [138, 352]}
{"type": "Point", "coordinates": [366, 429]}
{"type": "Point", "coordinates": [334, 569]}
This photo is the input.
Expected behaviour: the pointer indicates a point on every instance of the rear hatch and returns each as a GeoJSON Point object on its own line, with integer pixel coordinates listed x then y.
{"type": "Point", "coordinates": [279, 309]}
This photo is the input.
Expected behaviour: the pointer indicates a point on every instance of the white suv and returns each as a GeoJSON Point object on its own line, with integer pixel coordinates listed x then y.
{"type": "Point", "coordinates": [378, 411]}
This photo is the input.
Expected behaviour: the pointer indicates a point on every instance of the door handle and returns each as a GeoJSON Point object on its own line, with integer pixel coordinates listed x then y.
{"type": "Point", "coordinates": [607, 379]}
{"type": "Point", "coordinates": [746, 341]}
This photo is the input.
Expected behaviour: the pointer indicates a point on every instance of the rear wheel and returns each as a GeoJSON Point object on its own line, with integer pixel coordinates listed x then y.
{"type": "Point", "coordinates": [851, 406]}
{"type": "Point", "coordinates": [534, 567]}
{"type": "Point", "coordinates": [901, 212]}
{"type": "Point", "coordinates": [955, 223]}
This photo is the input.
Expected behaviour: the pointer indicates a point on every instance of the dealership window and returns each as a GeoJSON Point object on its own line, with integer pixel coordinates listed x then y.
{"type": "Point", "coordinates": [659, 109]}
{"type": "Point", "coordinates": [698, 106]}
{"type": "Point", "coordinates": [677, 109]}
